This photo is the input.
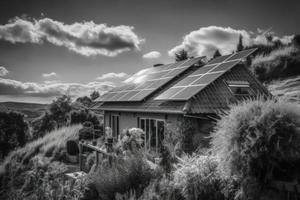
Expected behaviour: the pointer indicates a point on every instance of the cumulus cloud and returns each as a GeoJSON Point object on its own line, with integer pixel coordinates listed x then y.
{"type": "Point", "coordinates": [206, 40]}
{"type": "Point", "coordinates": [3, 71]}
{"type": "Point", "coordinates": [112, 75]}
{"type": "Point", "coordinates": [51, 89]}
{"type": "Point", "coordinates": [85, 38]}
{"type": "Point", "coordinates": [152, 55]}
{"type": "Point", "coordinates": [49, 75]}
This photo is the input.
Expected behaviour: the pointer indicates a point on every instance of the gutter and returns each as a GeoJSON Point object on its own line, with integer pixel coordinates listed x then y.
{"type": "Point", "coordinates": [143, 110]}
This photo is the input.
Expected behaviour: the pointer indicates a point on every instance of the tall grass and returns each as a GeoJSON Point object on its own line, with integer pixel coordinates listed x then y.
{"type": "Point", "coordinates": [259, 142]}
{"type": "Point", "coordinates": [41, 155]}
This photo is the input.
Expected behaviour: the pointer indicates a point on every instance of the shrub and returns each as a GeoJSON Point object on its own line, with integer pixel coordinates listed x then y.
{"type": "Point", "coordinates": [125, 174]}
{"type": "Point", "coordinates": [197, 177]}
{"type": "Point", "coordinates": [258, 141]}
{"type": "Point", "coordinates": [13, 132]}
{"type": "Point", "coordinates": [83, 115]}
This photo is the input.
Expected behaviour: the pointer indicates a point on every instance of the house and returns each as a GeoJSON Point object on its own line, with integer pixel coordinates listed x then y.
{"type": "Point", "coordinates": [186, 95]}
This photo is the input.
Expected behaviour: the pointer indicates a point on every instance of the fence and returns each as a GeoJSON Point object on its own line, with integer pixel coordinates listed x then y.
{"type": "Point", "coordinates": [98, 151]}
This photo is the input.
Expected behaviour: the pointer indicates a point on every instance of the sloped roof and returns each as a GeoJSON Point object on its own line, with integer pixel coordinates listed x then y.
{"type": "Point", "coordinates": [214, 98]}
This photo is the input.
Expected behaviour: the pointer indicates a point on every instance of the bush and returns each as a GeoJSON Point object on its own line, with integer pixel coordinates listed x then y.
{"type": "Point", "coordinates": [13, 132]}
{"type": "Point", "coordinates": [197, 177]}
{"type": "Point", "coordinates": [81, 116]}
{"type": "Point", "coordinates": [43, 125]}
{"type": "Point", "coordinates": [258, 142]}
{"type": "Point", "coordinates": [41, 155]}
{"type": "Point", "coordinates": [125, 174]}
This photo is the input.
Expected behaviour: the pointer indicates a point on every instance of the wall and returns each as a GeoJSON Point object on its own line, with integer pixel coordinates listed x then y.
{"type": "Point", "coordinates": [196, 137]}
{"type": "Point", "coordinates": [129, 119]}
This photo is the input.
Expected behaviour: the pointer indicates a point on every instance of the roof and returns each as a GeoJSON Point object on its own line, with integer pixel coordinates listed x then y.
{"type": "Point", "coordinates": [149, 80]}
{"type": "Point", "coordinates": [213, 97]}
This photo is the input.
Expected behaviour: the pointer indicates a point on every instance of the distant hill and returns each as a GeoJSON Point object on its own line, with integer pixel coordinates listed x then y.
{"type": "Point", "coordinates": [288, 88]}
{"type": "Point", "coordinates": [30, 110]}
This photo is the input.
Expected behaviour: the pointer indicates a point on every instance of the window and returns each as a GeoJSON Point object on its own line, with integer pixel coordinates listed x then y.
{"type": "Point", "coordinates": [239, 87]}
{"type": "Point", "coordinates": [154, 133]}
{"type": "Point", "coordinates": [114, 124]}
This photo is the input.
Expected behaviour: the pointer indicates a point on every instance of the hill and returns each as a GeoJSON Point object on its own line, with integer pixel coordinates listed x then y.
{"type": "Point", "coordinates": [287, 88]}
{"type": "Point", "coordinates": [30, 110]}
{"type": "Point", "coordinates": [24, 170]}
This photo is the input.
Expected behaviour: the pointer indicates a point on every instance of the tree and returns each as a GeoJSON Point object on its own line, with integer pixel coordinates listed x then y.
{"type": "Point", "coordinates": [181, 55]}
{"type": "Point", "coordinates": [296, 40]}
{"type": "Point", "coordinates": [85, 101]}
{"type": "Point", "coordinates": [217, 53]}
{"type": "Point", "coordinates": [240, 46]}
{"type": "Point", "coordinates": [60, 109]}
{"type": "Point", "coordinates": [94, 95]}
{"type": "Point", "coordinates": [43, 125]}
{"type": "Point", "coordinates": [13, 132]}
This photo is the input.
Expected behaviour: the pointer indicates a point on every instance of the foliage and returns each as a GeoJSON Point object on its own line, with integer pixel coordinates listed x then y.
{"type": "Point", "coordinates": [94, 95]}
{"type": "Point", "coordinates": [197, 177]}
{"type": "Point", "coordinates": [181, 55]}
{"type": "Point", "coordinates": [60, 109]}
{"type": "Point", "coordinates": [43, 125]}
{"type": "Point", "coordinates": [240, 46]}
{"type": "Point", "coordinates": [44, 154]}
{"type": "Point", "coordinates": [125, 174]}
{"type": "Point", "coordinates": [81, 116]}
{"type": "Point", "coordinates": [277, 64]}
{"type": "Point", "coordinates": [131, 140]}
{"type": "Point", "coordinates": [258, 142]}
{"type": "Point", "coordinates": [13, 132]}
{"type": "Point", "coordinates": [56, 117]}
{"type": "Point", "coordinates": [85, 101]}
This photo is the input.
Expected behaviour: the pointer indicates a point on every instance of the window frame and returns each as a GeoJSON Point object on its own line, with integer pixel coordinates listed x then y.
{"type": "Point", "coordinates": [147, 130]}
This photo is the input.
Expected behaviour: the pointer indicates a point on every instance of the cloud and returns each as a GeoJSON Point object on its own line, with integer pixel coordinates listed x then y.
{"type": "Point", "coordinates": [85, 38]}
{"type": "Point", "coordinates": [206, 40]}
{"type": "Point", "coordinates": [112, 75]}
{"type": "Point", "coordinates": [49, 75]}
{"type": "Point", "coordinates": [51, 89]}
{"type": "Point", "coordinates": [152, 55]}
{"type": "Point", "coordinates": [3, 71]}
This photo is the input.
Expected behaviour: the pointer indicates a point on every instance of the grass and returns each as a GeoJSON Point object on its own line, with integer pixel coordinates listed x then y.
{"type": "Point", "coordinates": [38, 158]}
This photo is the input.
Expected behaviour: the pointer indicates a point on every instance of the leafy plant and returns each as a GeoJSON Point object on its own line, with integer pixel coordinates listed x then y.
{"type": "Point", "coordinates": [258, 142]}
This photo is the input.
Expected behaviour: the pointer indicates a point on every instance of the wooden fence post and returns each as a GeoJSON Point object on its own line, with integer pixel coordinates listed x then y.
{"type": "Point", "coordinates": [80, 156]}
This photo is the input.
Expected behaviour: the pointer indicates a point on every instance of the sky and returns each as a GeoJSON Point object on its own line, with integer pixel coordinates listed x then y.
{"type": "Point", "coordinates": [54, 47]}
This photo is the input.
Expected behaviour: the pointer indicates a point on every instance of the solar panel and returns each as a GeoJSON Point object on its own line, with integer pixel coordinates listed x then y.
{"type": "Point", "coordinates": [145, 82]}
{"type": "Point", "coordinates": [187, 92]}
{"type": "Point", "coordinates": [198, 80]}
{"type": "Point", "coordinates": [242, 54]}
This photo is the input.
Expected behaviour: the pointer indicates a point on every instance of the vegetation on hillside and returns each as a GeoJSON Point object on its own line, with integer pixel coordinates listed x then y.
{"type": "Point", "coordinates": [32, 171]}
{"type": "Point", "coordinates": [14, 132]}
{"type": "Point", "coordinates": [257, 142]}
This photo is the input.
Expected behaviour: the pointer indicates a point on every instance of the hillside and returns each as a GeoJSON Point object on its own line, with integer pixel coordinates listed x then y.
{"type": "Point", "coordinates": [287, 88]}
{"type": "Point", "coordinates": [23, 168]}
{"type": "Point", "coordinates": [30, 110]}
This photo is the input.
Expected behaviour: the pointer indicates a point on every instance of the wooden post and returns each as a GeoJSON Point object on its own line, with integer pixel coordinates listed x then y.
{"type": "Point", "coordinates": [97, 159]}
{"type": "Point", "coordinates": [80, 156]}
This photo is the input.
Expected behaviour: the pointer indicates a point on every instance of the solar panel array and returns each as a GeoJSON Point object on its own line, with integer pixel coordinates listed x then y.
{"type": "Point", "coordinates": [144, 83]}
{"type": "Point", "coordinates": [198, 80]}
